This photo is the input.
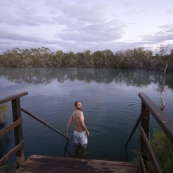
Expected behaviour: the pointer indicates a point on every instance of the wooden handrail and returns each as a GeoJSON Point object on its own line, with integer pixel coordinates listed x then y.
{"type": "Point", "coordinates": [10, 127]}
{"type": "Point", "coordinates": [17, 126]}
{"type": "Point", "coordinates": [13, 151]}
{"type": "Point", "coordinates": [41, 121]}
{"type": "Point", "coordinates": [13, 97]}
{"type": "Point", "coordinates": [165, 123]}
{"type": "Point", "coordinates": [134, 129]}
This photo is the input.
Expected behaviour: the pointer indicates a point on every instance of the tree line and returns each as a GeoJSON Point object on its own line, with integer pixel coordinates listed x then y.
{"type": "Point", "coordinates": [137, 58]}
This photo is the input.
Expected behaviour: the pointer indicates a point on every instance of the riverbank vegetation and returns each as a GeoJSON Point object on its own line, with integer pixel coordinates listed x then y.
{"type": "Point", "coordinates": [3, 110]}
{"type": "Point", "coordinates": [131, 58]}
{"type": "Point", "coordinates": [163, 150]}
{"type": "Point", "coordinates": [7, 167]}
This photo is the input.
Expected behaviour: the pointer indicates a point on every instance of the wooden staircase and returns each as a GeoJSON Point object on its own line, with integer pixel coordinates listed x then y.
{"type": "Point", "coordinates": [51, 164]}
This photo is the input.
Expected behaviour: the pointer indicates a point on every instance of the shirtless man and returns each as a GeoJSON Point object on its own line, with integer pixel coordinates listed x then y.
{"type": "Point", "coordinates": [80, 130]}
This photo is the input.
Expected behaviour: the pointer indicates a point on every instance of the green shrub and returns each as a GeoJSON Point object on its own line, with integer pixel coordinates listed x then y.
{"type": "Point", "coordinates": [3, 110]}
{"type": "Point", "coordinates": [8, 168]}
{"type": "Point", "coordinates": [163, 150]}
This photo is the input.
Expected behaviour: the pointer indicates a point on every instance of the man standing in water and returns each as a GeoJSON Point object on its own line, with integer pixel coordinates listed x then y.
{"type": "Point", "coordinates": [80, 130]}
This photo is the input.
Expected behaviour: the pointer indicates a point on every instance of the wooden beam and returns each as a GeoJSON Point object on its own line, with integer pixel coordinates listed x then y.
{"type": "Point", "coordinates": [145, 115]}
{"type": "Point", "coordinates": [150, 151]}
{"type": "Point", "coordinates": [41, 121]}
{"type": "Point", "coordinates": [13, 97]}
{"type": "Point", "coordinates": [142, 164]}
{"type": "Point", "coordinates": [18, 136]}
{"type": "Point", "coordinates": [13, 151]}
{"type": "Point", "coordinates": [10, 127]}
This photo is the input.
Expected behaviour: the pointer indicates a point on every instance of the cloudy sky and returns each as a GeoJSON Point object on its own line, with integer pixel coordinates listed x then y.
{"type": "Point", "coordinates": [79, 25]}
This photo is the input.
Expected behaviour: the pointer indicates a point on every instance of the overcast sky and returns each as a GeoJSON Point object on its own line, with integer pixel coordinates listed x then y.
{"type": "Point", "coordinates": [79, 25]}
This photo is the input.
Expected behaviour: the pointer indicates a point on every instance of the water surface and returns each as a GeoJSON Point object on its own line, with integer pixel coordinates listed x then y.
{"type": "Point", "coordinates": [110, 104]}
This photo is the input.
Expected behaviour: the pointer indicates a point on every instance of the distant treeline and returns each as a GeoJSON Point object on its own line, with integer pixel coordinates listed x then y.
{"type": "Point", "coordinates": [131, 58]}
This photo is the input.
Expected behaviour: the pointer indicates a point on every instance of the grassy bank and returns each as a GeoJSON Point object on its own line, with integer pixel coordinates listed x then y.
{"type": "Point", "coordinates": [7, 167]}
{"type": "Point", "coordinates": [3, 110]}
{"type": "Point", "coordinates": [163, 150]}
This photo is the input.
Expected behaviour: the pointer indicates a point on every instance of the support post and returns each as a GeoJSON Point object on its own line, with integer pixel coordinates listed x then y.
{"type": "Point", "coordinates": [145, 124]}
{"type": "Point", "coordinates": [18, 136]}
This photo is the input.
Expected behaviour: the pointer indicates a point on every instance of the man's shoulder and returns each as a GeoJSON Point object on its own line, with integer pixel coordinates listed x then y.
{"type": "Point", "coordinates": [77, 112]}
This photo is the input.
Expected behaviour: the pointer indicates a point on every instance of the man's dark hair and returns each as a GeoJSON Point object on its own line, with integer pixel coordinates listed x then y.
{"type": "Point", "coordinates": [75, 103]}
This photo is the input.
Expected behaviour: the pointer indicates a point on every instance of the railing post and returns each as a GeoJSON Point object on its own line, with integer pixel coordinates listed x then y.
{"type": "Point", "coordinates": [18, 136]}
{"type": "Point", "coordinates": [145, 124]}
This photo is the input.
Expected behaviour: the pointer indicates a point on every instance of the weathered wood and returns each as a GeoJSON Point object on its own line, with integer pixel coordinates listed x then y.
{"type": "Point", "coordinates": [13, 151]}
{"type": "Point", "coordinates": [165, 123]}
{"type": "Point", "coordinates": [10, 127]}
{"type": "Point", "coordinates": [150, 151]}
{"type": "Point", "coordinates": [13, 97]}
{"type": "Point", "coordinates": [47, 164]}
{"type": "Point", "coordinates": [18, 136]}
{"type": "Point", "coordinates": [41, 121]}
{"type": "Point", "coordinates": [134, 129]}
{"type": "Point", "coordinates": [145, 125]}
{"type": "Point", "coordinates": [142, 164]}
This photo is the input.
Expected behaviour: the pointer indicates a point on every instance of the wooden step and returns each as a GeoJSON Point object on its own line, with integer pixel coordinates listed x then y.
{"type": "Point", "coordinates": [51, 164]}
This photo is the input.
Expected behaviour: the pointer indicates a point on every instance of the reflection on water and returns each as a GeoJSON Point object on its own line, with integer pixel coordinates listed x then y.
{"type": "Point", "coordinates": [98, 75]}
{"type": "Point", "coordinates": [110, 104]}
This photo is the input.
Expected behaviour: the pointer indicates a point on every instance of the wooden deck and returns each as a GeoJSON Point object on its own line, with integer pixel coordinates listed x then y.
{"type": "Point", "coordinates": [51, 164]}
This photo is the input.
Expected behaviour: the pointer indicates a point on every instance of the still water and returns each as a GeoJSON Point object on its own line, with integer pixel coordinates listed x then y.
{"type": "Point", "coordinates": [110, 102]}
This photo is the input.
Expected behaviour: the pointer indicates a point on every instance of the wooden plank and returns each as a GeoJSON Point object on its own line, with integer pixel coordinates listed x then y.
{"type": "Point", "coordinates": [18, 136]}
{"type": "Point", "coordinates": [47, 164]}
{"type": "Point", "coordinates": [10, 127]}
{"type": "Point", "coordinates": [13, 97]}
{"type": "Point", "coordinates": [13, 151]}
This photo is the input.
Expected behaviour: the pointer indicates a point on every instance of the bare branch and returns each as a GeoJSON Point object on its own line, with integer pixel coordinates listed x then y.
{"type": "Point", "coordinates": [162, 87]}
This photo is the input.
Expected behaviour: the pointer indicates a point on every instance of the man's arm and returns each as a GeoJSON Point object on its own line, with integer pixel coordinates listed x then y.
{"type": "Point", "coordinates": [68, 125]}
{"type": "Point", "coordinates": [81, 119]}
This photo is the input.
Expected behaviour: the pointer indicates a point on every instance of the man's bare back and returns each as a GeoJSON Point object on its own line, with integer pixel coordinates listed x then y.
{"type": "Point", "coordinates": [78, 118]}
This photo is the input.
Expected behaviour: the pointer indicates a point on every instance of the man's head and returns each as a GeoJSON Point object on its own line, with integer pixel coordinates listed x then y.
{"type": "Point", "coordinates": [78, 105]}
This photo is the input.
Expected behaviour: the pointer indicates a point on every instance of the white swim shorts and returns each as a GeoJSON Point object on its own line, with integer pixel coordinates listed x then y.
{"type": "Point", "coordinates": [80, 138]}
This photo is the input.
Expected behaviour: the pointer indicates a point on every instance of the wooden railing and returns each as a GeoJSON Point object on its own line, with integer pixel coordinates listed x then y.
{"type": "Point", "coordinates": [147, 108]}
{"type": "Point", "coordinates": [41, 121]}
{"type": "Point", "coordinates": [17, 126]}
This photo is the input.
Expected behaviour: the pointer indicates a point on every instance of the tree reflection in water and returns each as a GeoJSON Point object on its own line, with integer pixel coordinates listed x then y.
{"type": "Point", "coordinates": [45, 76]}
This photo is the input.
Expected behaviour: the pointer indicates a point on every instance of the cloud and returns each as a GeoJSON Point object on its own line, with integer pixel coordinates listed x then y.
{"type": "Point", "coordinates": [79, 25]}
{"type": "Point", "coordinates": [164, 35]}
{"type": "Point", "coordinates": [134, 11]}
{"type": "Point", "coordinates": [79, 10]}
{"type": "Point", "coordinates": [127, 4]}
{"type": "Point", "coordinates": [99, 32]}
{"type": "Point", "coordinates": [170, 11]}
{"type": "Point", "coordinates": [23, 16]}
{"type": "Point", "coordinates": [167, 28]}
{"type": "Point", "coordinates": [20, 37]}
